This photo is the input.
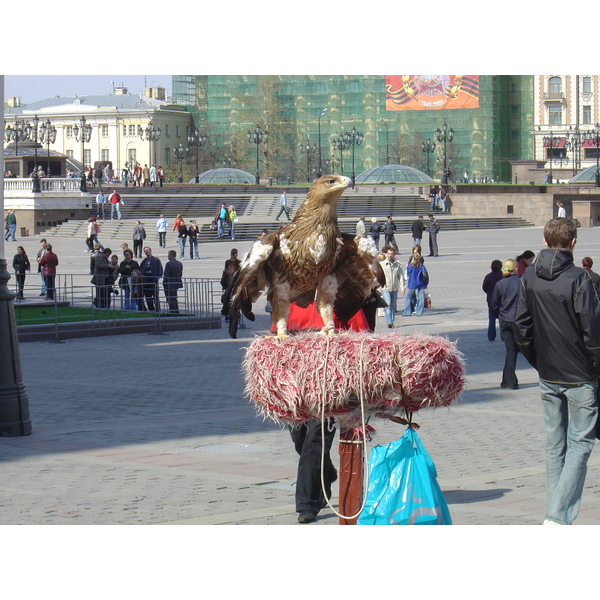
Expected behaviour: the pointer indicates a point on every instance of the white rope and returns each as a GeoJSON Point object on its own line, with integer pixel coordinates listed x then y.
{"type": "Point", "coordinates": [364, 434]}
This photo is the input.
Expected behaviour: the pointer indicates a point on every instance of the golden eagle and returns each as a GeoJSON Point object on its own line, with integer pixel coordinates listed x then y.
{"type": "Point", "coordinates": [307, 260]}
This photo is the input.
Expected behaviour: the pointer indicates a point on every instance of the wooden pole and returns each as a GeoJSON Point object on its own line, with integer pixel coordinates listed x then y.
{"type": "Point", "coordinates": [351, 476]}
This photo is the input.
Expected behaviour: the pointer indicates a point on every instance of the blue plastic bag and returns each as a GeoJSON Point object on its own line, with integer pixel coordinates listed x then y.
{"type": "Point", "coordinates": [403, 489]}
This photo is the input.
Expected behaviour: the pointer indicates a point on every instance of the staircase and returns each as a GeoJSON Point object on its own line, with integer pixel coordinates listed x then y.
{"type": "Point", "coordinates": [257, 207]}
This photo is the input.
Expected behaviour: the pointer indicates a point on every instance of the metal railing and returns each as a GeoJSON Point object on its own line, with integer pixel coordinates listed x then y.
{"type": "Point", "coordinates": [81, 306]}
{"type": "Point", "coordinates": [14, 185]}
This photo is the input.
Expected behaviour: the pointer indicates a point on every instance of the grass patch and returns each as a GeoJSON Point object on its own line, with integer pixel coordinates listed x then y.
{"type": "Point", "coordinates": [42, 315]}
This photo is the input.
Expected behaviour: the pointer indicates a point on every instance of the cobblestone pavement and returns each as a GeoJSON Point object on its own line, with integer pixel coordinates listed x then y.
{"type": "Point", "coordinates": [155, 429]}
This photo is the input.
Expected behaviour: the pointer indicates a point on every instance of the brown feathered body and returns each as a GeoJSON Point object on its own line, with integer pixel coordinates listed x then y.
{"type": "Point", "coordinates": [309, 259]}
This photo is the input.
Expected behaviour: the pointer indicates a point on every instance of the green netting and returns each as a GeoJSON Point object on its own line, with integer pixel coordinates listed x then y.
{"type": "Point", "coordinates": [290, 108]}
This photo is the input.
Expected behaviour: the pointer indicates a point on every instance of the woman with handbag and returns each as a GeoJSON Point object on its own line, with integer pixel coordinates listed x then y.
{"type": "Point", "coordinates": [192, 232]}
{"type": "Point", "coordinates": [139, 235]}
{"type": "Point", "coordinates": [417, 280]}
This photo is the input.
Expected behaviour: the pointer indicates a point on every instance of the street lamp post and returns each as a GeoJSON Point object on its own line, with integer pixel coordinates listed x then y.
{"type": "Point", "coordinates": [198, 140]}
{"type": "Point", "coordinates": [445, 135]}
{"type": "Point", "coordinates": [19, 133]}
{"type": "Point", "coordinates": [340, 143]}
{"type": "Point", "coordinates": [319, 170]}
{"type": "Point", "coordinates": [551, 142]}
{"type": "Point", "coordinates": [48, 135]}
{"type": "Point", "coordinates": [353, 138]}
{"type": "Point", "coordinates": [83, 134]}
{"type": "Point", "coordinates": [150, 135]}
{"type": "Point", "coordinates": [387, 142]}
{"type": "Point", "coordinates": [575, 139]}
{"type": "Point", "coordinates": [34, 137]}
{"type": "Point", "coordinates": [306, 147]}
{"type": "Point", "coordinates": [180, 153]}
{"type": "Point", "coordinates": [428, 147]}
{"type": "Point", "coordinates": [257, 137]}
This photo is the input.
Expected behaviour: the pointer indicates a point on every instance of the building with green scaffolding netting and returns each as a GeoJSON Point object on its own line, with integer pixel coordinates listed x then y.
{"type": "Point", "coordinates": [393, 122]}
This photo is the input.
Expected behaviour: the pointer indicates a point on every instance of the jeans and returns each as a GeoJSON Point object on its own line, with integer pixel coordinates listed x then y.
{"type": "Point", "coordinates": [416, 241]}
{"type": "Point", "coordinates": [390, 310]}
{"type": "Point", "coordinates": [101, 210]}
{"type": "Point", "coordinates": [114, 207]}
{"type": "Point", "coordinates": [11, 232]}
{"type": "Point", "coordinates": [232, 230]}
{"type": "Point", "coordinates": [220, 227]}
{"type": "Point", "coordinates": [419, 293]}
{"type": "Point", "coordinates": [181, 242]}
{"type": "Point", "coordinates": [282, 210]}
{"type": "Point", "coordinates": [194, 247]}
{"type": "Point", "coordinates": [508, 333]}
{"type": "Point", "coordinates": [570, 413]}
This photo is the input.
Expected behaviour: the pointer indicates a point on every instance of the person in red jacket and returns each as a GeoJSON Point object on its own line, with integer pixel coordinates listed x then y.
{"type": "Point", "coordinates": [48, 264]}
{"type": "Point", "coordinates": [115, 205]}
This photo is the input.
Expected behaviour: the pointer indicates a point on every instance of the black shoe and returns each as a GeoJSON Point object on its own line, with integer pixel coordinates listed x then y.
{"type": "Point", "coordinates": [507, 387]}
{"type": "Point", "coordinates": [306, 516]}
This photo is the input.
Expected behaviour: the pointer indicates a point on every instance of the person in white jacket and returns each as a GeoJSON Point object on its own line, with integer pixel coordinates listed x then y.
{"type": "Point", "coordinates": [161, 226]}
{"type": "Point", "coordinates": [395, 282]}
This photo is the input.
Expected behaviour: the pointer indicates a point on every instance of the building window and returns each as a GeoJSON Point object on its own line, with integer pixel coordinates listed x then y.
{"type": "Point", "coordinates": [104, 130]}
{"type": "Point", "coordinates": [167, 154]}
{"type": "Point", "coordinates": [69, 131]}
{"type": "Point", "coordinates": [131, 130]}
{"type": "Point", "coordinates": [177, 131]}
{"type": "Point", "coordinates": [167, 133]}
{"type": "Point", "coordinates": [87, 157]}
{"type": "Point", "coordinates": [587, 115]}
{"type": "Point", "coordinates": [104, 155]}
{"type": "Point", "coordinates": [555, 85]}
{"type": "Point", "coordinates": [131, 157]}
{"type": "Point", "coordinates": [587, 85]}
{"type": "Point", "coordinates": [555, 115]}
{"type": "Point", "coordinates": [70, 153]}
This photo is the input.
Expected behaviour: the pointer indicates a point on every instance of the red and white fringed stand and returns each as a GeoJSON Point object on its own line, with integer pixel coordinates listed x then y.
{"type": "Point", "coordinates": [351, 376]}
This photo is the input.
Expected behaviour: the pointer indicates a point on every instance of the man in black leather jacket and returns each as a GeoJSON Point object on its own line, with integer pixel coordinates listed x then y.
{"type": "Point", "coordinates": [558, 322]}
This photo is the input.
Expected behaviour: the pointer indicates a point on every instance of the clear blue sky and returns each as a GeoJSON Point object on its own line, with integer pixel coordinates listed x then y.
{"type": "Point", "coordinates": [30, 88]}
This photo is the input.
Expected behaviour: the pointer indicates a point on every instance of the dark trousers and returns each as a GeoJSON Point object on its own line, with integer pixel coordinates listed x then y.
{"type": "Point", "coordinates": [308, 442]}
{"type": "Point", "coordinates": [390, 240]}
{"type": "Point", "coordinates": [162, 236]}
{"type": "Point", "coordinates": [151, 294]}
{"type": "Point", "coordinates": [508, 333]}
{"type": "Point", "coordinates": [491, 334]}
{"type": "Point", "coordinates": [171, 295]}
{"type": "Point", "coordinates": [433, 246]}
{"type": "Point", "coordinates": [49, 279]}
{"type": "Point", "coordinates": [137, 248]}
{"type": "Point", "coordinates": [20, 277]}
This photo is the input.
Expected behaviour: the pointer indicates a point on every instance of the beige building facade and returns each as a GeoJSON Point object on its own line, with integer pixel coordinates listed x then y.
{"type": "Point", "coordinates": [120, 125]}
{"type": "Point", "coordinates": [566, 108]}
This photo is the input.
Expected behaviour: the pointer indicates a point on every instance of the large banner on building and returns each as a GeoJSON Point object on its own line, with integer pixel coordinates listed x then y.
{"type": "Point", "coordinates": [431, 92]}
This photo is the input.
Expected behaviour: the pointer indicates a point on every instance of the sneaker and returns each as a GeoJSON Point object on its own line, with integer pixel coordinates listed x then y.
{"type": "Point", "coordinates": [549, 522]}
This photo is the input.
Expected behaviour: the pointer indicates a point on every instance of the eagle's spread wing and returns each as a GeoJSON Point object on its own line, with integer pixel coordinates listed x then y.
{"type": "Point", "coordinates": [358, 273]}
{"type": "Point", "coordinates": [308, 255]}
{"type": "Point", "coordinates": [253, 276]}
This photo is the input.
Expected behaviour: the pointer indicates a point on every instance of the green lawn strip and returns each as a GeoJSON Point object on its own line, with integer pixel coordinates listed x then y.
{"type": "Point", "coordinates": [39, 315]}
